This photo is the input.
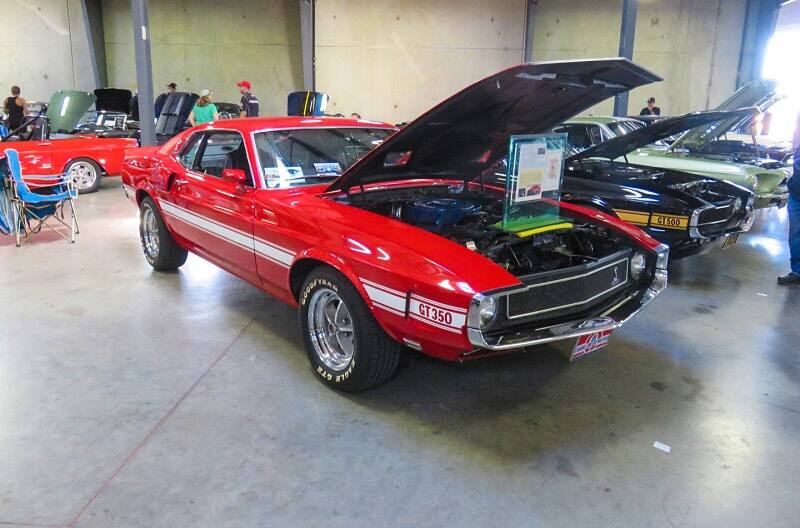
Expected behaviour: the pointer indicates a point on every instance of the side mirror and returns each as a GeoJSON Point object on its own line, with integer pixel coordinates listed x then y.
{"type": "Point", "coordinates": [236, 176]}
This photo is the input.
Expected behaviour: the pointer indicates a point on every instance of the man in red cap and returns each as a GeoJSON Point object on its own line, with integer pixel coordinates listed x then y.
{"type": "Point", "coordinates": [248, 106]}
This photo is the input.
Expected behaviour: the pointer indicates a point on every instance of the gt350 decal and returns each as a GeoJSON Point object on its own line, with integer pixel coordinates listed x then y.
{"type": "Point", "coordinates": [433, 313]}
{"type": "Point", "coordinates": [442, 316]}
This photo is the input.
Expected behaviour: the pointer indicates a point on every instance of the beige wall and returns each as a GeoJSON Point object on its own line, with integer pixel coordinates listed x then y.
{"type": "Point", "coordinates": [577, 29]}
{"type": "Point", "coordinates": [44, 48]}
{"type": "Point", "coordinates": [694, 45]}
{"type": "Point", "coordinates": [393, 59]}
{"type": "Point", "coordinates": [212, 44]}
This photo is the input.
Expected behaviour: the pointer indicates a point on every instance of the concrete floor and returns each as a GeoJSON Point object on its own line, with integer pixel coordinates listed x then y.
{"type": "Point", "coordinates": [130, 398]}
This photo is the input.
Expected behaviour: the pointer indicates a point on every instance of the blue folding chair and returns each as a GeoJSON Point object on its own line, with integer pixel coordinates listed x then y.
{"type": "Point", "coordinates": [37, 205]}
{"type": "Point", "coordinates": [7, 212]}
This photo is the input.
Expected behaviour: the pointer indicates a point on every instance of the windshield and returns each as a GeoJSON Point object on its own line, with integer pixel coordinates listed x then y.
{"type": "Point", "coordinates": [625, 127]}
{"type": "Point", "coordinates": [292, 158]}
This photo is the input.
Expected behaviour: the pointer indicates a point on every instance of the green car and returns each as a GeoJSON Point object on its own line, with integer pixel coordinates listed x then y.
{"type": "Point", "coordinates": [694, 151]}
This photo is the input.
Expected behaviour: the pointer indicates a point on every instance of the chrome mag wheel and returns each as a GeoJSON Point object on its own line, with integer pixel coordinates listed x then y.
{"type": "Point", "coordinates": [83, 175]}
{"type": "Point", "coordinates": [149, 230]}
{"type": "Point", "coordinates": [330, 327]}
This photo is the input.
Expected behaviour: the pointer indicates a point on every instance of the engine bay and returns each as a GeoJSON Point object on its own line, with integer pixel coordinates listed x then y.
{"type": "Point", "coordinates": [473, 219]}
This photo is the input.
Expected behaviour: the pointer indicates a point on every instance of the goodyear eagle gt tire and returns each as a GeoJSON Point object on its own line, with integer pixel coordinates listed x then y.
{"type": "Point", "coordinates": [347, 348]}
{"type": "Point", "coordinates": [160, 249]}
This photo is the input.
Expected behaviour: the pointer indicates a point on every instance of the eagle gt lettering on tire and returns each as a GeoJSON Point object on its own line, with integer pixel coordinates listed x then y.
{"type": "Point", "coordinates": [346, 347]}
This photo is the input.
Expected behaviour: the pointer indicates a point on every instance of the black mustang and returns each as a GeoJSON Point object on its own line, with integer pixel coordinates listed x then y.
{"type": "Point", "coordinates": [690, 213]}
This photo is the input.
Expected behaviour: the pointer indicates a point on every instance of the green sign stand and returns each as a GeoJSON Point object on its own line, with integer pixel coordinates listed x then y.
{"type": "Point", "coordinates": [533, 182]}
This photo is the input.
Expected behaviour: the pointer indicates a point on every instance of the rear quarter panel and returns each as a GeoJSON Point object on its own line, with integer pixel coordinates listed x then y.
{"type": "Point", "coordinates": [107, 152]}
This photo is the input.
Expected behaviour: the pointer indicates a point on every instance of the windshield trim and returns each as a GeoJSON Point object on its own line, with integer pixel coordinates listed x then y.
{"type": "Point", "coordinates": [263, 182]}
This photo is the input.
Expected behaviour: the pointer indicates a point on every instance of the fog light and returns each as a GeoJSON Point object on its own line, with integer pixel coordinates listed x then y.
{"type": "Point", "coordinates": [487, 310]}
{"type": "Point", "coordinates": [638, 264]}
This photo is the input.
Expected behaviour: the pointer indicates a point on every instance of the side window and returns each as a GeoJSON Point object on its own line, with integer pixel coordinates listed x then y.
{"type": "Point", "coordinates": [189, 151]}
{"type": "Point", "coordinates": [595, 135]}
{"type": "Point", "coordinates": [577, 136]}
{"type": "Point", "coordinates": [223, 150]}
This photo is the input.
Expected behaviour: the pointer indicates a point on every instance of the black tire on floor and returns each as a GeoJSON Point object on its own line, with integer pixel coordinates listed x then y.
{"type": "Point", "coordinates": [90, 165]}
{"type": "Point", "coordinates": [374, 355]}
{"type": "Point", "coordinates": [167, 255]}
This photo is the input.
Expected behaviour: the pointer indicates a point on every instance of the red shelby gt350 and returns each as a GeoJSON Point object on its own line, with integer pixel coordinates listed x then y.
{"type": "Point", "coordinates": [403, 248]}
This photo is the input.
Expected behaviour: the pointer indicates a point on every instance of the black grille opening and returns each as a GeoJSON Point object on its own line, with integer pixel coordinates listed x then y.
{"type": "Point", "coordinates": [717, 214]}
{"type": "Point", "coordinates": [585, 285]}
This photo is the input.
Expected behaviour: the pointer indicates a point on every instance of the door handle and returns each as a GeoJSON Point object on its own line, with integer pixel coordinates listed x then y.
{"type": "Point", "coordinates": [178, 182]}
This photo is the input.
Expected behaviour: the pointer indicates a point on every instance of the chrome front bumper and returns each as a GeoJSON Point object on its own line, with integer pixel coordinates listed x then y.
{"type": "Point", "coordinates": [612, 319]}
{"type": "Point", "coordinates": [778, 198]}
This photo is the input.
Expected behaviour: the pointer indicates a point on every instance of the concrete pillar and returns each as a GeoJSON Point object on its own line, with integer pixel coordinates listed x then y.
{"type": "Point", "coordinates": [527, 41]}
{"type": "Point", "coordinates": [307, 43]}
{"type": "Point", "coordinates": [626, 33]}
{"type": "Point", "coordinates": [144, 70]}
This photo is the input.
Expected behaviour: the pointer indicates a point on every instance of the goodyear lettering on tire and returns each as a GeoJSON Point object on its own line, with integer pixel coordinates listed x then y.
{"type": "Point", "coordinates": [313, 284]}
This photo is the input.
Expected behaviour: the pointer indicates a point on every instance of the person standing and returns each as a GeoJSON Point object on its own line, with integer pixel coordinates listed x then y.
{"type": "Point", "coordinates": [204, 110]}
{"type": "Point", "coordinates": [14, 107]}
{"type": "Point", "coordinates": [793, 208]}
{"type": "Point", "coordinates": [248, 106]}
{"type": "Point", "coordinates": [651, 108]}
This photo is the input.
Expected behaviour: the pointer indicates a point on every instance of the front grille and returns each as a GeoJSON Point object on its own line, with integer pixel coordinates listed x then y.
{"type": "Point", "coordinates": [588, 285]}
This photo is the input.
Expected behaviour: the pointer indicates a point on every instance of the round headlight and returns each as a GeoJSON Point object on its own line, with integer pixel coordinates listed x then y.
{"type": "Point", "coordinates": [638, 263]}
{"type": "Point", "coordinates": [487, 311]}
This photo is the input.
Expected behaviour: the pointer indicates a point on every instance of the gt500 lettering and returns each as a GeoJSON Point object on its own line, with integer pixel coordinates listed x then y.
{"type": "Point", "coordinates": [435, 314]}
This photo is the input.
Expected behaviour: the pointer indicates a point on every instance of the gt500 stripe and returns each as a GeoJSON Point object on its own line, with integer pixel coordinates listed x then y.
{"type": "Point", "coordinates": [273, 252]}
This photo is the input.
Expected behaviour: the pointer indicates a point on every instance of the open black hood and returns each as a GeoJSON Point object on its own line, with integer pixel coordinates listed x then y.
{"type": "Point", "coordinates": [174, 115]}
{"type": "Point", "coordinates": [113, 100]}
{"type": "Point", "coordinates": [468, 132]}
{"type": "Point", "coordinates": [663, 128]}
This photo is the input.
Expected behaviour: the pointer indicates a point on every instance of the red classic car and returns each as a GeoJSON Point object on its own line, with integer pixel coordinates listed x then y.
{"type": "Point", "coordinates": [47, 146]}
{"type": "Point", "coordinates": [403, 248]}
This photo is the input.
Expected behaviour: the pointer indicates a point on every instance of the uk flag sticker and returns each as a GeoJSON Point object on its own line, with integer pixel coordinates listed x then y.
{"type": "Point", "coordinates": [589, 343]}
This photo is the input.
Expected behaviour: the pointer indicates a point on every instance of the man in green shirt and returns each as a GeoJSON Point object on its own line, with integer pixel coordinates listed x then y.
{"type": "Point", "coordinates": [204, 110]}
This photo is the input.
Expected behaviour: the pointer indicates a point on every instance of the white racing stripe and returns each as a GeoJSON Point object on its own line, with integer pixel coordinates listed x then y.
{"type": "Point", "coordinates": [391, 301]}
{"type": "Point", "coordinates": [272, 252]}
{"type": "Point", "coordinates": [433, 313]}
{"type": "Point", "coordinates": [441, 326]}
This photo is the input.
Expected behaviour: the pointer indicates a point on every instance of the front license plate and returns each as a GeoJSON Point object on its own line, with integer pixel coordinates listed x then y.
{"type": "Point", "coordinates": [590, 343]}
{"type": "Point", "coordinates": [730, 241]}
